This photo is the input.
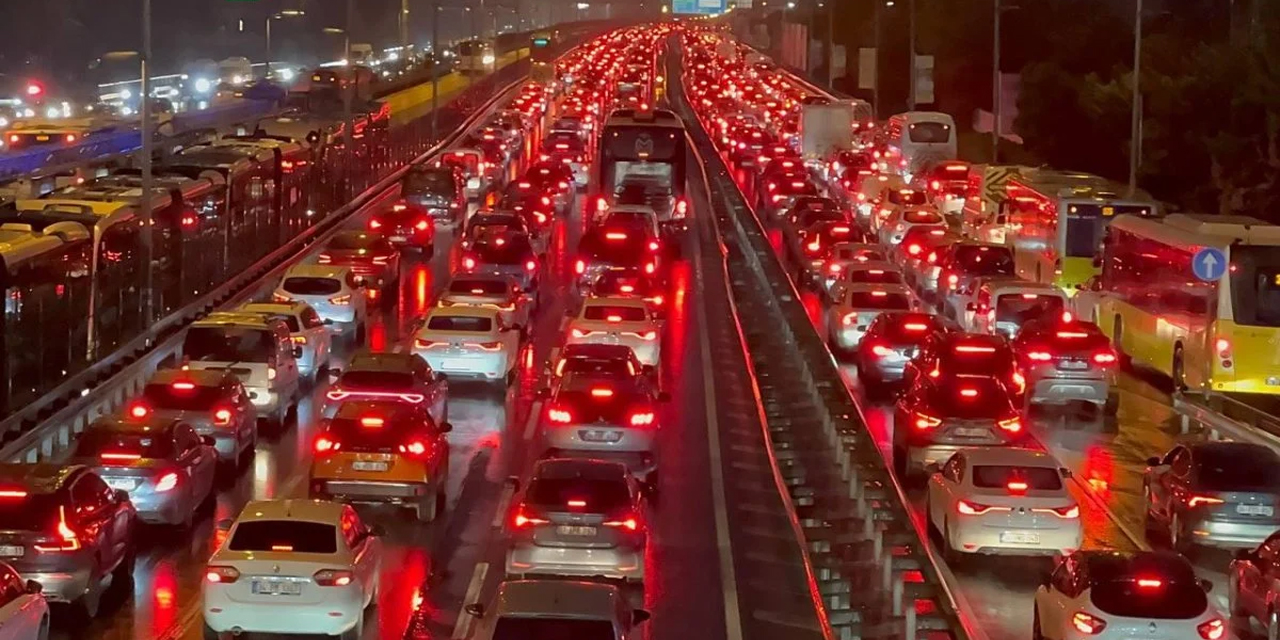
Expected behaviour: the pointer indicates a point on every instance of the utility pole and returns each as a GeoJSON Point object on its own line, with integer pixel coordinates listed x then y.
{"type": "Point", "coordinates": [995, 85]}
{"type": "Point", "coordinates": [911, 37]}
{"type": "Point", "coordinates": [1135, 121]}
{"type": "Point", "coordinates": [148, 229]}
{"type": "Point", "coordinates": [829, 47]}
{"type": "Point", "coordinates": [404, 27]}
{"type": "Point", "coordinates": [876, 74]}
{"type": "Point", "coordinates": [348, 96]}
{"type": "Point", "coordinates": [435, 68]}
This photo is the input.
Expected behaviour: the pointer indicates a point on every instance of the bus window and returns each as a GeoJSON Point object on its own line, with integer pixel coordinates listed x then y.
{"type": "Point", "coordinates": [930, 132]}
{"type": "Point", "coordinates": [1255, 285]}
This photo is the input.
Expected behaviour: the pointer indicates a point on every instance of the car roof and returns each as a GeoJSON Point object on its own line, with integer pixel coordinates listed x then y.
{"type": "Point", "coordinates": [199, 377]}
{"type": "Point", "coordinates": [276, 308]}
{"type": "Point", "coordinates": [317, 271]}
{"type": "Point", "coordinates": [864, 287]}
{"type": "Point", "coordinates": [120, 423]}
{"type": "Point", "coordinates": [41, 477]}
{"type": "Point", "coordinates": [873, 265]}
{"type": "Point", "coordinates": [610, 301]}
{"type": "Point", "coordinates": [579, 468]}
{"type": "Point", "coordinates": [382, 361]}
{"type": "Point", "coordinates": [463, 310]}
{"type": "Point", "coordinates": [297, 509]}
{"type": "Point", "coordinates": [355, 409]}
{"type": "Point", "coordinates": [557, 599]}
{"type": "Point", "coordinates": [1010, 456]}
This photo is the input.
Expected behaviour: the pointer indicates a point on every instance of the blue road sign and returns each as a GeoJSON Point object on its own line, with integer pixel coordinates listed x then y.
{"type": "Point", "coordinates": [1209, 264]}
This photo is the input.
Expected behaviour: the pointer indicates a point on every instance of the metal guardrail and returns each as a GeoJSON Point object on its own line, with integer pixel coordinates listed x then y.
{"type": "Point", "coordinates": [133, 364]}
{"type": "Point", "coordinates": [874, 570]}
{"type": "Point", "coordinates": [1226, 418]}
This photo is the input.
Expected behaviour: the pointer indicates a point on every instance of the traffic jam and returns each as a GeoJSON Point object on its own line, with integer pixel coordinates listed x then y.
{"type": "Point", "coordinates": [493, 338]}
{"type": "Point", "coordinates": [993, 396]}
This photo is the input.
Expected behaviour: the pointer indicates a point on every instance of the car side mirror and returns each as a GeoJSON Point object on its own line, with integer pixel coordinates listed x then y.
{"type": "Point", "coordinates": [33, 587]}
{"type": "Point", "coordinates": [446, 427]}
{"type": "Point", "coordinates": [513, 482]}
{"type": "Point", "coordinates": [208, 441]}
{"type": "Point", "coordinates": [474, 609]}
{"type": "Point", "coordinates": [543, 393]}
{"type": "Point", "coordinates": [121, 495]}
{"type": "Point", "coordinates": [639, 616]}
{"type": "Point", "coordinates": [297, 352]}
{"type": "Point", "coordinates": [664, 396]}
{"type": "Point", "coordinates": [1206, 585]}
{"type": "Point", "coordinates": [377, 531]}
{"type": "Point", "coordinates": [1153, 461]}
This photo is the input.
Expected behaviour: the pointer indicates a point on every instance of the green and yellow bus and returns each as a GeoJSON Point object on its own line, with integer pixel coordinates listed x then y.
{"type": "Point", "coordinates": [1204, 335]}
{"type": "Point", "coordinates": [1055, 222]}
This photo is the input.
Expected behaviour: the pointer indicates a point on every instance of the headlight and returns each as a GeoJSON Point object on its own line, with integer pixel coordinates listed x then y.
{"type": "Point", "coordinates": [286, 75]}
{"type": "Point", "coordinates": [488, 58]}
{"type": "Point", "coordinates": [203, 85]}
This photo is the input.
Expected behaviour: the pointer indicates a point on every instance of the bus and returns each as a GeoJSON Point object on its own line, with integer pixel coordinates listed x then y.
{"type": "Point", "coordinates": [476, 57]}
{"type": "Point", "coordinates": [917, 139]}
{"type": "Point", "coordinates": [1204, 335]}
{"type": "Point", "coordinates": [1055, 222]}
{"type": "Point", "coordinates": [645, 149]}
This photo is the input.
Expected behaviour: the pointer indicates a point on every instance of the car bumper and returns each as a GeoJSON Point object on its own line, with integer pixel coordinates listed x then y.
{"type": "Point", "coordinates": [1230, 535]}
{"type": "Point", "coordinates": [60, 586]}
{"type": "Point", "coordinates": [263, 399]}
{"type": "Point", "coordinates": [979, 538]}
{"type": "Point", "coordinates": [375, 491]}
{"type": "Point", "coordinates": [617, 563]}
{"type": "Point", "coordinates": [332, 616]}
{"type": "Point", "coordinates": [483, 367]}
{"type": "Point", "coordinates": [848, 338]}
{"type": "Point", "coordinates": [883, 371]}
{"type": "Point", "coordinates": [225, 441]}
{"type": "Point", "coordinates": [1065, 390]}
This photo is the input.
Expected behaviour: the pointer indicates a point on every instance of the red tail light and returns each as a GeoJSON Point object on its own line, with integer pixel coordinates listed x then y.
{"type": "Point", "coordinates": [422, 344]}
{"type": "Point", "coordinates": [65, 540]}
{"type": "Point", "coordinates": [113, 457]}
{"type": "Point", "coordinates": [914, 249]}
{"type": "Point", "coordinates": [924, 422]}
{"type": "Point", "coordinates": [1104, 358]}
{"type": "Point", "coordinates": [381, 259]}
{"type": "Point", "coordinates": [139, 410]}
{"type": "Point", "coordinates": [559, 416]}
{"type": "Point", "coordinates": [422, 225]}
{"type": "Point", "coordinates": [629, 522]}
{"type": "Point", "coordinates": [415, 447]}
{"type": "Point", "coordinates": [1212, 630]}
{"type": "Point", "coordinates": [333, 577]}
{"type": "Point", "coordinates": [968, 508]}
{"type": "Point", "coordinates": [1016, 487]}
{"type": "Point", "coordinates": [580, 267]}
{"type": "Point", "coordinates": [525, 517]}
{"type": "Point", "coordinates": [374, 223]}
{"type": "Point", "coordinates": [881, 351]}
{"type": "Point", "coordinates": [1039, 356]}
{"type": "Point", "coordinates": [325, 444]}
{"type": "Point", "coordinates": [221, 575]}
{"type": "Point", "coordinates": [1012, 425]}
{"type": "Point", "coordinates": [1088, 624]}
{"type": "Point", "coordinates": [641, 419]}
{"type": "Point", "coordinates": [325, 258]}
{"type": "Point", "coordinates": [1207, 501]}
{"type": "Point", "coordinates": [167, 482]}
{"type": "Point", "coordinates": [222, 417]}
{"type": "Point", "coordinates": [468, 263]}
{"type": "Point", "coordinates": [530, 266]}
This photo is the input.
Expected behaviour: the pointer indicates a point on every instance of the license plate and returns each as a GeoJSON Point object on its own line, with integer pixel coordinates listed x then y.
{"type": "Point", "coordinates": [454, 363]}
{"type": "Point", "coordinates": [276, 588]}
{"type": "Point", "coordinates": [1254, 510]}
{"type": "Point", "coordinates": [1020, 537]}
{"type": "Point", "coordinates": [600, 435]}
{"type": "Point", "coordinates": [364, 465]}
{"type": "Point", "coordinates": [398, 239]}
{"type": "Point", "coordinates": [971, 432]}
{"type": "Point", "coordinates": [42, 138]}
{"type": "Point", "coordinates": [126, 484]}
{"type": "Point", "coordinates": [11, 551]}
{"type": "Point", "coordinates": [1073, 364]}
{"type": "Point", "coordinates": [570, 530]}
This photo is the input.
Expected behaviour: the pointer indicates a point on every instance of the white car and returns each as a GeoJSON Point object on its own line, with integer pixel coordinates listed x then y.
{"type": "Point", "coordinates": [463, 341]}
{"type": "Point", "coordinates": [332, 291]}
{"type": "Point", "coordinates": [1003, 306]}
{"type": "Point", "coordinates": [1122, 595]}
{"type": "Point", "coordinates": [557, 609]}
{"type": "Point", "coordinates": [308, 330]}
{"type": "Point", "coordinates": [296, 567]}
{"type": "Point", "coordinates": [24, 614]}
{"type": "Point", "coordinates": [625, 321]}
{"type": "Point", "coordinates": [637, 214]}
{"type": "Point", "coordinates": [1085, 301]}
{"type": "Point", "coordinates": [859, 304]}
{"type": "Point", "coordinates": [1003, 500]}
{"type": "Point", "coordinates": [900, 221]}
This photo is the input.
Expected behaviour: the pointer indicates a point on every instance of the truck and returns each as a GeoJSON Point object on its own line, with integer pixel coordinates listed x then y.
{"type": "Point", "coordinates": [827, 128]}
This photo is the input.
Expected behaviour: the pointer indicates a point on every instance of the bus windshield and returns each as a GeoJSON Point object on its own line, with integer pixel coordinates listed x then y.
{"type": "Point", "coordinates": [654, 152]}
{"type": "Point", "coordinates": [1087, 225]}
{"type": "Point", "coordinates": [1255, 285]}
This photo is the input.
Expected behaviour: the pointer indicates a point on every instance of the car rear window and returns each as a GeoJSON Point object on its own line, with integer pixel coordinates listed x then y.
{"type": "Point", "coordinates": [922, 216]}
{"type": "Point", "coordinates": [181, 396]}
{"type": "Point", "coordinates": [356, 241]}
{"type": "Point", "coordinates": [554, 494]}
{"type": "Point", "coordinates": [874, 276]}
{"type": "Point", "coordinates": [970, 398]}
{"type": "Point", "coordinates": [477, 324]}
{"type": "Point", "coordinates": [478, 287]}
{"type": "Point", "coordinates": [610, 313]}
{"type": "Point", "coordinates": [1022, 307]}
{"type": "Point", "coordinates": [439, 181]}
{"type": "Point", "coordinates": [507, 249]}
{"type": "Point", "coordinates": [907, 198]}
{"type": "Point", "coordinates": [614, 246]}
{"type": "Point", "coordinates": [95, 442]}
{"type": "Point", "coordinates": [32, 512]}
{"type": "Point", "coordinates": [1239, 467]}
{"type": "Point", "coordinates": [878, 300]}
{"type": "Point", "coordinates": [596, 367]}
{"type": "Point", "coordinates": [509, 628]}
{"type": "Point", "coordinates": [228, 344]}
{"type": "Point", "coordinates": [380, 380]}
{"type": "Point", "coordinates": [983, 260]}
{"type": "Point", "coordinates": [285, 535]}
{"type": "Point", "coordinates": [312, 286]}
{"type": "Point", "coordinates": [611, 284]}
{"type": "Point", "coordinates": [906, 328]}
{"type": "Point", "coordinates": [999, 477]}
{"type": "Point", "coordinates": [1171, 600]}
{"type": "Point", "coordinates": [977, 359]}
{"type": "Point", "coordinates": [587, 406]}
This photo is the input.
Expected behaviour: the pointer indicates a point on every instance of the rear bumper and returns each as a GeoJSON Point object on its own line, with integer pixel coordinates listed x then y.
{"type": "Point", "coordinates": [61, 586]}
{"type": "Point", "coordinates": [1230, 535]}
{"type": "Point", "coordinates": [616, 563]}
{"type": "Point", "coordinates": [975, 537]}
{"type": "Point", "coordinates": [1065, 390]}
{"type": "Point", "coordinates": [388, 492]}
{"type": "Point", "coordinates": [333, 616]}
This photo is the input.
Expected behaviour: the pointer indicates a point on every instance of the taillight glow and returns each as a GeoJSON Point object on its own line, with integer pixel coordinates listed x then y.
{"type": "Point", "coordinates": [642, 419]}
{"type": "Point", "coordinates": [1208, 501]}
{"type": "Point", "coordinates": [1212, 630]}
{"type": "Point", "coordinates": [1088, 624]}
{"type": "Point", "coordinates": [1039, 356]}
{"type": "Point", "coordinates": [924, 422]}
{"type": "Point", "coordinates": [222, 417]}
{"type": "Point", "coordinates": [139, 410]}
{"type": "Point", "coordinates": [120, 457]}
{"type": "Point", "coordinates": [167, 482]}
{"type": "Point", "coordinates": [559, 416]}
{"type": "Point", "coordinates": [324, 444]}
{"type": "Point", "coordinates": [221, 575]}
{"type": "Point", "coordinates": [1012, 425]}
{"type": "Point", "coordinates": [1104, 357]}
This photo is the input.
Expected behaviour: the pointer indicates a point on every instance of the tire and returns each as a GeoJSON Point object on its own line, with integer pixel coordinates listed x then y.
{"type": "Point", "coordinates": [428, 507]}
{"type": "Point", "coordinates": [359, 337]}
{"type": "Point", "coordinates": [86, 607]}
{"type": "Point", "coordinates": [1112, 405]}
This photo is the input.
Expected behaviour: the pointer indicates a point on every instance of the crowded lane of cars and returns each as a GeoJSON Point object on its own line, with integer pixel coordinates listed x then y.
{"type": "Point", "coordinates": [1012, 422]}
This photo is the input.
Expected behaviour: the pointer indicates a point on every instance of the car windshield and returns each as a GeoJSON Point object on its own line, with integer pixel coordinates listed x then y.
{"type": "Point", "coordinates": [1238, 467]}
{"type": "Point", "coordinates": [600, 496]}
{"type": "Point", "coordinates": [1022, 307]}
{"type": "Point", "coordinates": [596, 367]}
{"type": "Point", "coordinates": [511, 628]}
{"type": "Point", "coordinates": [437, 181]}
{"type": "Point", "coordinates": [983, 260]}
{"type": "Point", "coordinates": [472, 324]}
{"type": "Point", "coordinates": [284, 535]}
{"type": "Point", "coordinates": [874, 276]}
{"type": "Point", "coordinates": [312, 286]}
{"type": "Point", "coordinates": [922, 216]}
{"type": "Point", "coordinates": [228, 344]}
{"type": "Point", "coordinates": [977, 359]}
{"type": "Point", "coordinates": [609, 313]}
{"type": "Point", "coordinates": [29, 512]}
{"type": "Point", "coordinates": [371, 242]}
{"type": "Point", "coordinates": [181, 396]}
{"type": "Point", "coordinates": [602, 403]}
{"type": "Point", "coordinates": [999, 477]}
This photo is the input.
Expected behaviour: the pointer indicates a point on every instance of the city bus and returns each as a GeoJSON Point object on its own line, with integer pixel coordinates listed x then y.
{"type": "Point", "coordinates": [645, 149]}
{"type": "Point", "coordinates": [1055, 222]}
{"type": "Point", "coordinates": [476, 57]}
{"type": "Point", "coordinates": [1204, 335]}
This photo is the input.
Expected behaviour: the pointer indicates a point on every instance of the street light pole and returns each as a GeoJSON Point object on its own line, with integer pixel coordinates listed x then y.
{"type": "Point", "coordinates": [1135, 121]}
{"type": "Point", "coordinates": [148, 241]}
{"type": "Point", "coordinates": [875, 73]}
{"type": "Point", "coordinates": [911, 37]}
{"type": "Point", "coordinates": [267, 73]}
{"type": "Point", "coordinates": [404, 27]}
{"type": "Point", "coordinates": [435, 68]}
{"type": "Point", "coordinates": [995, 85]}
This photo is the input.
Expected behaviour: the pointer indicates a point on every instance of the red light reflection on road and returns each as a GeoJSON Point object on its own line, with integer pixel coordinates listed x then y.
{"type": "Point", "coordinates": [421, 287]}
{"type": "Point", "coordinates": [378, 337]}
{"type": "Point", "coordinates": [163, 603]}
{"type": "Point", "coordinates": [1099, 470]}
{"type": "Point", "coordinates": [775, 239]}
{"type": "Point", "coordinates": [400, 592]}
{"type": "Point", "coordinates": [678, 325]}
{"type": "Point", "coordinates": [813, 306]}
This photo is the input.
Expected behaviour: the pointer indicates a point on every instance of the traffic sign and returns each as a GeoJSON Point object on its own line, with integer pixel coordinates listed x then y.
{"type": "Point", "coordinates": [1209, 264]}
{"type": "Point", "coordinates": [994, 181]}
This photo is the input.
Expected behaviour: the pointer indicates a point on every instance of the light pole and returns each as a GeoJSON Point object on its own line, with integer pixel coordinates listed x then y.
{"type": "Point", "coordinates": [289, 13]}
{"type": "Point", "coordinates": [995, 83]}
{"type": "Point", "coordinates": [435, 68]}
{"type": "Point", "coordinates": [911, 39]}
{"type": "Point", "coordinates": [1135, 120]}
{"type": "Point", "coordinates": [404, 26]}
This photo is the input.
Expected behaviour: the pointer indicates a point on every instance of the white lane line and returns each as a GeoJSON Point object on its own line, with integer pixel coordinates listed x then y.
{"type": "Point", "coordinates": [531, 424]}
{"type": "Point", "coordinates": [504, 503]}
{"type": "Point", "coordinates": [463, 626]}
{"type": "Point", "coordinates": [728, 578]}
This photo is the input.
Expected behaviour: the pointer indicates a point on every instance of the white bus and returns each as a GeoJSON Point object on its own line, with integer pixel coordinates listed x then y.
{"type": "Point", "coordinates": [918, 139]}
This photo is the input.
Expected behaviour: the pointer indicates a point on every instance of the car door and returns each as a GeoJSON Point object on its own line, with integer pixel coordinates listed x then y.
{"type": "Point", "coordinates": [286, 362]}
{"type": "Point", "coordinates": [317, 334]}
{"type": "Point", "coordinates": [1259, 578]}
{"type": "Point", "coordinates": [95, 513]}
{"type": "Point", "coordinates": [1171, 482]}
{"type": "Point", "coordinates": [244, 410]}
{"type": "Point", "coordinates": [943, 487]}
{"type": "Point", "coordinates": [196, 459]}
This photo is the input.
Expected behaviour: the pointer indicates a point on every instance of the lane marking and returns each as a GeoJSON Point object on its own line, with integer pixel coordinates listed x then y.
{"type": "Point", "coordinates": [531, 423]}
{"type": "Point", "coordinates": [463, 626]}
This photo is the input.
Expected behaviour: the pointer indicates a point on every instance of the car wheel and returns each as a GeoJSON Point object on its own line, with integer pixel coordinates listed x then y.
{"type": "Point", "coordinates": [86, 607]}
{"type": "Point", "coordinates": [442, 499]}
{"type": "Point", "coordinates": [360, 334]}
{"type": "Point", "coordinates": [428, 507]}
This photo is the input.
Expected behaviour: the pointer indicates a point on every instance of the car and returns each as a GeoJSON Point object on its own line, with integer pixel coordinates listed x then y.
{"type": "Point", "coordinates": [1084, 304]}
{"type": "Point", "coordinates": [871, 193]}
{"type": "Point", "coordinates": [857, 305]}
{"type": "Point", "coordinates": [808, 247]}
{"type": "Point", "coordinates": [937, 416]}
{"type": "Point", "coordinates": [1109, 595]}
{"type": "Point", "coordinates": [332, 291]}
{"type": "Point", "coordinates": [495, 223]}
{"type": "Point", "coordinates": [63, 527]}
{"type": "Point", "coordinates": [631, 283]}
{"type": "Point", "coordinates": [1002, 501]}
{"type": "Point", "coordinates": [606, 417]}
{"type": "Point", "coordinates": [625, 321]}
{"type": "Point", "coordinates": [24, 612]}
{"type": "Point", "coordinates": [306, 328]}
{"type": "Point", "coordinates": [406, 226]}
{"type": "Point", "coordinates": [581, 518]}
{"type": "Point", "coordinates": [779, 195]}
{"type": "Point", "coordinates": [607, 247]}
{"type": "Point", "coordinates": [493, 292]}
{"type": "Point", "coordinates": [569, 149]}
{"type": "Point", "coordinates": [922, 266]}
{"type": "Point", "coordinates": [558, 609]}
{"type": "Point", "coordinates": [1252, 582]}
{"type": "Point", "coordinates": [536, 205]}
{"type": "Point", "coordinates": [384, 452]}
{"type": "Point", "coordinates": [901, 220]}
{"type": "Point", "coordinates": [891, 202]}
{"type": "Point", "coordinates": [471, 164]}
{"type": "Point", "coordinates": [370, 256]}
{"type": "Point", "coordinates": [441, 190]}
{"type": "Point", "coordinates": [469, 342]}
{"type": "Point", "coordinates": [1004, 306]}
{"type": "Point", "coordinates": [962, 263]}
{"type": "Point", "coordinates": [891, 341]}
{"type": "Point", "coordinates": [400, 377]}
{"type": "Point", "coordinates": [1067, 361]}
{"type": "Point", "coordinates": [1213, 494]}
{"type": "Point", "coordinates": [554, 178]}
{"type": "Point", "coordinates": [656, 192]}
{"type": "Point", "coordinates": [586, 359]}
{"type": "Point", "coordinates": [954, 353]}
{"type": "Point", "coordinates": [844, 255]}
{"type": "Point", "coordinates": [213, 402]}
{"type": "Point", "coordinates": [258, 350]}
{"type": "Point", "coordinates": [167, 469]}
{"type": "Point", "coordinates": [509, 255]}
{"type": "Point", "coordinates": [293, 566]}
{"type": "Point", "coordinates": [918, 240]}
{"type": "Point", "coordinates": [638, 216]}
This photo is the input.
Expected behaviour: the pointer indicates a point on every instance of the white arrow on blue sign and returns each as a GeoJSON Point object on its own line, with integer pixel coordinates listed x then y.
{"type": "Point", "coordinates": [1209, 264]}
